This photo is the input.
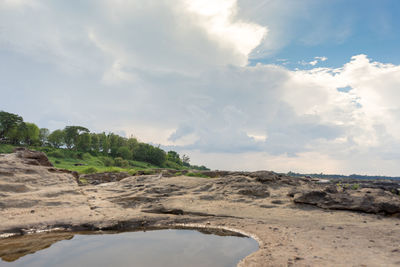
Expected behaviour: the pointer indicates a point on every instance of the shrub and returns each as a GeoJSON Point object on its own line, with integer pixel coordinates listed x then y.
{"type": "Point", "coordinates": [108, 162]}
{"type": "Point", "coordinates": [86, 156]}
{"type": "Point", "coordinates": [120, 162]}
{"type": "Point", "coordinates": [355, 186]}
{"type": "Point", "coordinates": [90, 170]}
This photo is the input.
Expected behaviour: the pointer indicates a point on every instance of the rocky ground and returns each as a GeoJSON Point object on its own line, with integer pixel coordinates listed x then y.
{"type": "Point", "coordinates": [297, 221]}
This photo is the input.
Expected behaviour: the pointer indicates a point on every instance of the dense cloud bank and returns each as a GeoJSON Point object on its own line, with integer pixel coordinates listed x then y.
{"type": "Point", "coordinates": [176, 73]}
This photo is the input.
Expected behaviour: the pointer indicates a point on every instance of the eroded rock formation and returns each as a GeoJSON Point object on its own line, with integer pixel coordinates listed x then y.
{"type": "Point", "coordinates": [295, 220]}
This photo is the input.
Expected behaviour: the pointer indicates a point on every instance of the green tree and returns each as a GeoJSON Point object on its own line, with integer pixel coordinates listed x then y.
{"type": "Point", "coordinates": [83, 142]}
{"type": "Point", "coordinates": [95, 142]}
{"type": "Point", "coordinates": [104, 143]}
{"type": "Point", "coordinates": [149, 153]}
{"type": "Point", "coordinates": [124, 152]}
{"type": "Point", "coordinates": [43, 136]}
{"type": "Point", "coordinates": [116, 142]}
{"type": "Point", "coordinates": [56, 138]}
{"type": "Point", "coordinates": [31, 135]}
{"type": "Point", "coordinates": [16, 134]}
{"type": "Point", "coordinates": [174, 157]}
{"type": "Point", "coordinates": [9, 122]}
{"type": "Point", "coordinates": [71, 135]}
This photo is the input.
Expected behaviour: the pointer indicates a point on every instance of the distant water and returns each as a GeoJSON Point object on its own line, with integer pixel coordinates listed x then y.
{"type": "Point", "coordinates": [154, 248]}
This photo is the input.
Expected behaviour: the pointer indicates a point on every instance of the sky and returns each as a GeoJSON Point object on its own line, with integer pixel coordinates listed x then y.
{"type": "Point", "coordinates": [307, 86]}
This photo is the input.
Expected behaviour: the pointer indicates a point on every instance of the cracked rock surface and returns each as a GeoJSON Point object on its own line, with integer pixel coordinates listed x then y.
{"type": "Point", "coordinates": [296, 221]}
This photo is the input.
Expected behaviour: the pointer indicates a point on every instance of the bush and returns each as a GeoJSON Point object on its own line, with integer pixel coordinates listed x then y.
{"type": "Point", "coordinates": [57, 162]}
{"type": "Point", "coordinates": [355, 186]}
{"type": "Point", "coordinates": [90, 170]}
{"type": "Point", "coordinates": [172, 165]}
{"type": "Point", "coordinates": [108, 162]}
{"type": "Point", "coordinates": [120, 162]}
{"type": "Point", "coordinates": [86, 156]}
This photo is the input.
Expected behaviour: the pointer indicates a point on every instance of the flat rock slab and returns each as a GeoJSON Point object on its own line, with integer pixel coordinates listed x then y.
{"type": "Point", "coordinates": [296, 221]}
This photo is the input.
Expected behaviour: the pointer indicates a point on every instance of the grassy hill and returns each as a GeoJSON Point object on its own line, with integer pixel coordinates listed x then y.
{"type": "Point", "coordinates": [88, 163]}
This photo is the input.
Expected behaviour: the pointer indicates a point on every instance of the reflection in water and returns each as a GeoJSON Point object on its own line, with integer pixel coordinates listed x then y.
{"type": "Point", "coordinates": [154, 248]}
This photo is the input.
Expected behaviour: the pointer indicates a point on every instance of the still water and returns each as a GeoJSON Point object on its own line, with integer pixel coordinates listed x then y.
{"type": "Point", "coordinates": [153, 248]}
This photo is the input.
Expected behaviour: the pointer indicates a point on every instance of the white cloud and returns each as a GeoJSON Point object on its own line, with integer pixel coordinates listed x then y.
{"type": "Point", "coordinates": [313, 62]}
{"type": "Point", "coordinates": [174, 73]}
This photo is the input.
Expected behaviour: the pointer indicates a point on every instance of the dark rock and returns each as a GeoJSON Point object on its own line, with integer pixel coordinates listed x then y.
{"type": "Point", "coordinates": [377, 201]}
{"type": "Point", "coordinates": [254, 191]}
{"type": "Point", "coordinates": [33, 157]}
{"type": "Point", "coordinates": [215, 174]}
{"type": "Point", "coordinates": [105, 177]}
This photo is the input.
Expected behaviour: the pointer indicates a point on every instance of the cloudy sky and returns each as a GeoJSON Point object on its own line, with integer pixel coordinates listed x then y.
{"type": "Point", "coordinates": [306, 86]}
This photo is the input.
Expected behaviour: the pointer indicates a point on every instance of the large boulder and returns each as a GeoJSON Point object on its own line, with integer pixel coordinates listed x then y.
{"type": "Point", "coordinates": [33, 157]}
{"type": "Point", "coordinates": [368, 200]}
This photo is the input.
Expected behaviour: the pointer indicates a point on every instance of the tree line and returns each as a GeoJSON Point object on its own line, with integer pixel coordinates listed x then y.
{"type": "Point", "coordinates": [13, 130]}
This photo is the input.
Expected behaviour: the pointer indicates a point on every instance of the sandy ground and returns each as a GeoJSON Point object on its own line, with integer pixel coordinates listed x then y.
{"type": "Point", "coordinates": [38, 198]}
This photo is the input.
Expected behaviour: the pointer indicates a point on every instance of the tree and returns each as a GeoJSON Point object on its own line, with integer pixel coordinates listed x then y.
{"type": "Point", "coordinates": [56, 138]}
{"type": "Point", "coordinates": [124, 152]}
{"type": "Point", "coordinates": [95, 142]}
{"type": "Point", "coordinates": [83, 142]}
{"type": "Point", "coordinates": [104, 143]}
{"type": "Point", "coordinates": [43, 136]}
{"type": "Point", "coordinates": [31, 135]}
{"type": "Point", "coordinates": [185, 160]}
{"type": "Point", "coordinates": [16, 134]}
{"type": "Point", "coordinates": [174, 157]}
{"type": "Point", "coordinates": [71, 135]}
{"type": "Point", "coordinates": [116, 142]}
{"type": "Point", "coordinates": [9, 122]}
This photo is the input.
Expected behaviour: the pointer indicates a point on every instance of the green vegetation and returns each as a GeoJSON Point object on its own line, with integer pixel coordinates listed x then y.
{"type": "Point", "coordinates": [6, 149]}
{"type": "Point", "coordinates": [197, 174]}
{"type": "Point", "coordinates": [76, 148]}
{"type": "Point", "coordinates": [340, 185]}
{"type": "Point", "coordinates": [355, 186]}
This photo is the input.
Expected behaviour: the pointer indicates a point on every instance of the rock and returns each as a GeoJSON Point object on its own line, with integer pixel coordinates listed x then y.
{"type": "Point", "coordinates": [215, 174]}
{"type": "Point", "coordinates": [255, 192]}
{"type": "Point", "coordinates": [365, 200]}
{"type": "Point", "coordinates": [105, 177]}
{"type": "Point", "coordinates": [33, 157]}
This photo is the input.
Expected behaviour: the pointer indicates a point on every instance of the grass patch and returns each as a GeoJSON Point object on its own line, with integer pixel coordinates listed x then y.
{"type": "Point", "coordinates": [6, 149]}
{"type": "Point", "coordinates": [197, 174]}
